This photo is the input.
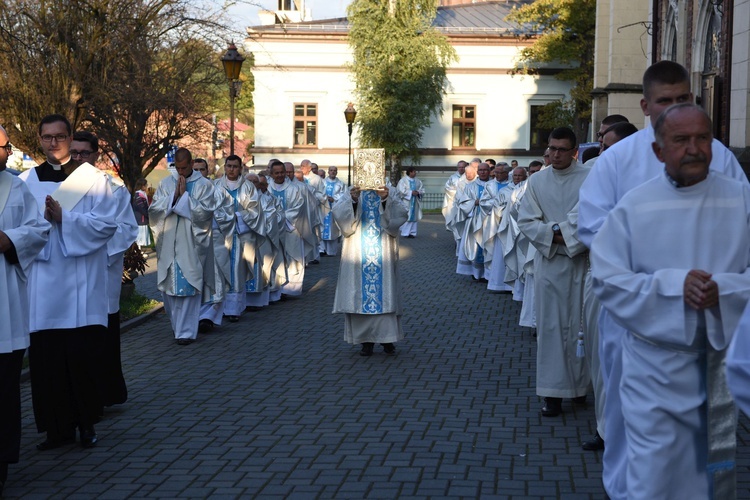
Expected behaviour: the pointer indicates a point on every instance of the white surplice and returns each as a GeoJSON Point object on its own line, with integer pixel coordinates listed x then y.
{"type": "Point", "coordinates": [469, 221]}
{"type": "Point", "coordinates": [182, 232]}
{"type": "Point", "coordinates": [243, 240]}
{"type": "Point", "coordinates": [222, 231]}
{"type": "Point", "coordinates": [448, 209]}
{"type": "Point", "coordinates": [330, 235]}
{"type": "Point", "coordinates": [126, 234]}
{"type": "Point", "coordinates": [368, 289]}
{"type": "Point", "coordinates": [292, 197]}
{"type": "Point", "coordinates": [405, 188]}
{"type": "Point", "coordinates": [624, 166]}
{"type": "Point", "coordinates": [738, 363]}
{"type": "Point", "coordinates": [76, 251]}
{"type": "Point", "coordinates": [24, 225]}
{"type": "Point", "coordinates": [559, 272]}
{"type": "Point", "coordinates": [640, 258]}
{"type": "Point", "coordinates": [494, 201]}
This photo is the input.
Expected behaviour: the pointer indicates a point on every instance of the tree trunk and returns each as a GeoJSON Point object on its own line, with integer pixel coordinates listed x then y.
{"type": "Point", "coordinates": [395, 169]}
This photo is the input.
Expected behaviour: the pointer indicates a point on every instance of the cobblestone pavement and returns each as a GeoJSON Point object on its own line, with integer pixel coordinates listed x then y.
{"type": "Point", "coordinates": [278, 405]}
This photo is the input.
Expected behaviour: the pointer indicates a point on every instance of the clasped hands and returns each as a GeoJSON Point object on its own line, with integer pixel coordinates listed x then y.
{"type": "Point", "coordinates": [52, 210]}
{"type": "Point", "coordinates": [700, 291]}
{"type": "Point", "coordinates": [180, 189]}
{"type": "Point", "coordinates": [355, 191]}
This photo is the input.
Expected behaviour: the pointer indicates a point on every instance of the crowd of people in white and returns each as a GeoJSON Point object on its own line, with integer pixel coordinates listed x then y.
{"type": "Point", "coordinates": [632, 269]}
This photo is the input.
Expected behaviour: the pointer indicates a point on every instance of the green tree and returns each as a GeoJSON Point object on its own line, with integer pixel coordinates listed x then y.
{"type": "Point", "coordinates": [141, 74]}
{"type": "Point", "coordinates": [567, 30]}
{"type": "Point", "coordinates": [399, 71]}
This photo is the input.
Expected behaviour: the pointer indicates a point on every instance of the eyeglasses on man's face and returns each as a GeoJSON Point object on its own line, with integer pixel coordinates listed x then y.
{"type": "Point", "coordinates": [553, 150]}
{"type": "Point", "coordinates": [56, 137]}
{"type": "Point", "coordinates": [82, 154]}
{"type": "Point", "coordinates": [8, 148]}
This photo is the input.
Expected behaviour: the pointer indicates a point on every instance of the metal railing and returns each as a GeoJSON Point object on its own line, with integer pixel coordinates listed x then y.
{"type": "Point", "coordinates": [432, 200]}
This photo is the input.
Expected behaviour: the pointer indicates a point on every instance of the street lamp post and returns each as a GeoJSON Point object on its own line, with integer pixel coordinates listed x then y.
{"type": "Point", "coordinates": [350, 114]}
{"type": "Point", "coordinates": [232, 61]}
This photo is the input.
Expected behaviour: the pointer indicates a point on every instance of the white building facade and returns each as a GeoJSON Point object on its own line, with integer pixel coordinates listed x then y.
{"type": "Point", "coordinates": [302, 87]}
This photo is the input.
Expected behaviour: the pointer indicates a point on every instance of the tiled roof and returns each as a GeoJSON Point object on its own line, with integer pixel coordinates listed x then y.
{"type": "Point", "coordinates": [477, 18]}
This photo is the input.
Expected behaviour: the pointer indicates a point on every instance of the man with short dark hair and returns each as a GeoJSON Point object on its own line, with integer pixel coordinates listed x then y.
{"type": "Point", "coordinates": [201, 166]}
{"type": "Point", "coordinates": [23, 234]}
{"type": "Point", "coordinates": [410, 190]}
{"type": "Point", "coordinates": [85, 148]}
{"type": "Point", "coordinates": [607, 123]}
{"type": "Point", "coordinates": [181, 218]}
{"type": "Point", "coordinates": [616, 133]}
{"type": "Point", "coordinates": [534, 167]}
{"type": "Point", "coordinates": [559, 270]}
{"type": "Point", "coordinates": [241, 237]}
{"type": "Point", "coordinates": [77, 200]}
{"type": "Point", "coordinates": [292, 199]}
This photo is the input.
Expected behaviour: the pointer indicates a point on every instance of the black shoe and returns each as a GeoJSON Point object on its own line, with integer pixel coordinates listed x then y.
{"type": "Point", "coordinates": [233, 319]}
{"type": "Point", "coordinates": [3, 476]}
{"type": "Point", "coordinates": [411, 236]}
{"type": "Point", "coordinates": [367, 348]}
{"type": "Point", "coordinates": [580, 400]}
{"type": "Point", "coordinates": [595, 444]}
{"type": "Point", "coordinates": [389, 349]}
{"type": "Point", "coordinates": [205, 326]}
{"type": "Point", "coordinates": [316, 261]}
{"type": "Point", "coordinates": [88, 437]}
{"type": "Point", "coordinates": [552, 407]}
{"type": "Point", "coordinates": [185, 341]}
{"type": "Point", "coordinates": [51, 444]}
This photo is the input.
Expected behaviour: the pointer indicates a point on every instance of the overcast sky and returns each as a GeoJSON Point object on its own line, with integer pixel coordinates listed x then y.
{"type": "Point", "coordinates": [320, 9]}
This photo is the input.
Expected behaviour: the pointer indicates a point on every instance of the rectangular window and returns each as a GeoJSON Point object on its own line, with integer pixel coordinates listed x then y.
{"type": "Point", "coordinates": [464, 126]}
{"type": "Point", "coordinates": [305, 125]}
{"type": "Point", "coordinates": [538, 136]}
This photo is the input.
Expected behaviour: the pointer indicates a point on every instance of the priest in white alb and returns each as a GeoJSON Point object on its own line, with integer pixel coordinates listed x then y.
{"type": "Point", "coordinates": [469, 219]}
{"type": "Point", "coordinates": [23, 234]}
{"type": "Point", "coordinates": [410, 190]}
{"type": "Point", "coordinates": [248, 222]}
{"type": "Point", "coordinates": [368, 290]}
{"type": "Point", "coordinates": [330, 235]}
{"type": "Point", "coordinates": [66, 331]}
{"type": "Point", "coordinates": [449, 195]}
{"type": "Point", "coordinates": [559, 270]}
{"type": "Point", "coordinates": [114, 390]}
{"type": "Point", "coordinates": [181, 217]}
{"type": "Point", "coordinates": [292, 197]}
{"type": "Point", "coordinates": [624, 166]}
{"type": "Point", "coordinates": [671, 265]}
{"type": "Point", "coordinates": [222, 231]}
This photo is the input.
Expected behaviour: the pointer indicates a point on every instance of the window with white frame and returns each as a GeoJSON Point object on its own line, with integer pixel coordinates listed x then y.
{"type": "Point", "coordinates": [305, 125]}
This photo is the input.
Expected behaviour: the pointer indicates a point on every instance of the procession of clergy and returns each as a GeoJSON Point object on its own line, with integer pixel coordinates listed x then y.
{"type": "Point", "coordinates": [246, 239]}
{"type": "Point", "coordinates": [634, 270]}
{"type": "Point", "coordinates": [223, 247]}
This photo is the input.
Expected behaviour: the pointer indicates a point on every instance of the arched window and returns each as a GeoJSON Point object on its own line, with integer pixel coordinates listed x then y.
{"type": "Point", "coordinates": [669, 45]}
{"type": "Point", "coordinates": [712, 47]}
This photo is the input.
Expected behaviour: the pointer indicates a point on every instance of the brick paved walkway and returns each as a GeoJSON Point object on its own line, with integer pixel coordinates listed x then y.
{"type": "Point", "coordinates": [278, 405]}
